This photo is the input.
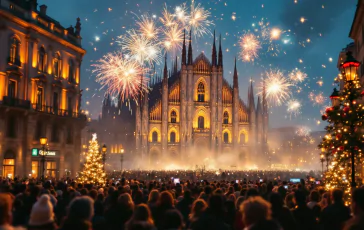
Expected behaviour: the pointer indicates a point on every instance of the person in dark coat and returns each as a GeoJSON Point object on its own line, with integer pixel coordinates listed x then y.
{"type": "Point", "coordinates": [357, 222]}
{"type": "Point", "coordinates": [184, 206]}
{"type": "Point", "coordinates": [281, 213]}
{"type": "Point", "coordinates": [213, 217]}
{"type": "Point", "coordinates": [304, 216]}
{"type": "Point", "coordinates": [335, 215]}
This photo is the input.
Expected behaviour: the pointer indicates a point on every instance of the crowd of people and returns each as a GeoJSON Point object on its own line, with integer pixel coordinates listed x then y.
{"type": "Point", "coordinates": [132, 204]}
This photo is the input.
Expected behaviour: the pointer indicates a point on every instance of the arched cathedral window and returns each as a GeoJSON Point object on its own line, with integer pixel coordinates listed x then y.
{"type": "Point", "coordinates": [226, 137]}
{"type": "Point", "coordinates": [173, 117]}
{"type": "Point", "coordinates": [201, 92]}
{"type": "Point", "coordinates": [226, 118]}
{"type": "Point", "coordinates": [201, 122]}
{"type": "Point", "coordinates": [154, 137]}
{"type": "Point", "coordinates": [172, 137]}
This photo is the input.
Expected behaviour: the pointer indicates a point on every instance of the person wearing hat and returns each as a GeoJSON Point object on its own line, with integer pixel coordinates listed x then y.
{"type": "Point", "coordinates": [42, 216]}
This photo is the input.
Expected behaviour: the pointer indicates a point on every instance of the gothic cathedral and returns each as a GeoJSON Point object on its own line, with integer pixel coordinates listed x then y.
{"type": "Point", "coordinates": [194, 111]}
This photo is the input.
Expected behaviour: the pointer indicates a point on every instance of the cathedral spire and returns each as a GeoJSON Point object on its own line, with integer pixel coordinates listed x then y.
{"type": "Point", "coordinates": [214, 54]}
{"type": "Point", "coordinates": [235, 82]}
{"type": "Point", "coordinates": [251, 97]}
{"type": "Point", "coordinates": [220, 64]}
{"type": "Point", "coordinates": [265, 103]}
{"type": "Point", "coordinates": [190, 49]}
{"type": "Point", "coordinates": [175, 67]}
{"type": "Point", "coordinates": [184, 48]}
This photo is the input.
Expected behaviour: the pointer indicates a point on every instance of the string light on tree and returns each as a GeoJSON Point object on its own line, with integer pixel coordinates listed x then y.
{"type": "Point", "coordinates": [93, 172]}
{"type": "Point", "coordinates": [344, 140]}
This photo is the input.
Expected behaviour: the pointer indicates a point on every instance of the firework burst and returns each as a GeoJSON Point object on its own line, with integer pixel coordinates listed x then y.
{"type": "Point", "coordinates": [147, 27]}
{"type": "Point", "coordinates": [173, 38]}
{"type": "Point", "coordinates": [120, 77]}
{"type": "Point", "coordinates": [249, 47]}
{"type": "Point", "coordinates": [277, 87]}
{"type": "Point", "coordinates": [297, 75]}
{"type": "Point", "coordinates": [317, 99]}
{"type": "Point", "coordinates": [167, 18]}
{"type": "Point", "coordinates": [181, 14]}
{"type": "Point", "coordinates": [141, 49]}
{"type": "Point", "coordinates": [294, 107]}
{"type": "Point", "coordinates": [303, 131]}
{"type": "Point", "coordinates": [198, 21]}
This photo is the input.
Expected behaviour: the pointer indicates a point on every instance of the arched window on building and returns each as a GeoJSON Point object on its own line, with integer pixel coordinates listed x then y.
{"type": "Point", "coordinates": [9, 164]}
{"type": "Point", "coordinates": [173, 117]}
{"type": "Point", "coordinates": [172, 137]}
{"type": "Point", "coordinates": [155, 137]}
{"type": "Point", "coordinates": [42, 60]}
{"type": "Point", "coordinates": [201, 122]}
{"type": "Point", "coordinates": [71, 71]}
{"type": "Point", "coordinates": [226, 118]}
{"type": "Point", "coordinates": [226, 137]}
{"type": "Point", "coordinates": [57, 65]}
{"type": "Point", "coordinates": [242, 138]}
{"type": "Point", "coordinates": [201, 92]}
{"type": "Point", "coordinates": [14, 50]}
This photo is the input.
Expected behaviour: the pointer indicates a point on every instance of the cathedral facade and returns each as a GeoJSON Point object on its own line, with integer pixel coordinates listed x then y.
{"type": "Point", "coordinates": [194, 111]}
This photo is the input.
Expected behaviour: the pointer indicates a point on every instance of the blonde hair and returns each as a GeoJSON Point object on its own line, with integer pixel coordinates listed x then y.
{"type": "Point", "coordinates": [255, 209]}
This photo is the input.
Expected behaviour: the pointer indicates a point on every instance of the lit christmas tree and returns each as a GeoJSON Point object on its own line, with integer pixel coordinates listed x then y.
{"type": "Point", "coordinates": [93, 169]}
{"type": "Point", "coordinates": [344, 140]}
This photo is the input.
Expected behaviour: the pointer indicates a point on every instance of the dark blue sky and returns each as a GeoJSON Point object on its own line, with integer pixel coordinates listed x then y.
{"type": "Point", "coordinates": [327, 27]}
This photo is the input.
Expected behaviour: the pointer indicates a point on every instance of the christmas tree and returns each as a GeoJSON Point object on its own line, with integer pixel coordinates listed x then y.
{"type": "Point", "coordinates": [344, 138]}
{"type": "Point", "coordinates": [93, 170]}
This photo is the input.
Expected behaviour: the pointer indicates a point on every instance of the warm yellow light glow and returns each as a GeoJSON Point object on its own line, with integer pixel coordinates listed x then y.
{"type": "Point", "coordinates": [43, 140]}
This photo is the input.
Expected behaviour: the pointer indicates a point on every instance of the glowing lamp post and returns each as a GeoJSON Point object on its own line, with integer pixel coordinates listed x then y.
{"type": "Point", "coordinates": [104, 148]}
{"type": "Point", "coordinates": [121, 159]}
{"type": "Point", "coordinates": [350, 73]}
{"type": "Point", "coordinates": [350, 68]}
{"type": "Point", "coordinates": [335, 98]}
{"type": "Point", "coordinates": [43, 141]}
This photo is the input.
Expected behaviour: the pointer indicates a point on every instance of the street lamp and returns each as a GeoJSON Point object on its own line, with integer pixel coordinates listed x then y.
{"type": "Point", "coordinates": [335, 98]}
{"type": "Point", "coordinates": [322, 163]}
{"type": "Point", "coordinates": [350, 73]}
{"type": "Point", "coordinates": [104, 148]}
{"type": "Point", "coordinates": [121, 159]}
{"type": "Point", "coordinates": [43, 141]}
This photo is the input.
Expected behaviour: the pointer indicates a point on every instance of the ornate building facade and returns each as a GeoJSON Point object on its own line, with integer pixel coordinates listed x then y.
{"type": "Point", "coordinates": [194, 111]}
{"type": "Point", "coordinates": [40, 92]}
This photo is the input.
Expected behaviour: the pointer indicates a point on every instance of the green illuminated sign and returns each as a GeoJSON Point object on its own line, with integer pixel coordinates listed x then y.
{"type": "Point", "coordinates": [35, 152]}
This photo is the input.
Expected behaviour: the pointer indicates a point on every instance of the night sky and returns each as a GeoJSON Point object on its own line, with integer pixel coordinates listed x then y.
{"type": "Point", "coordinates": [316, 42]}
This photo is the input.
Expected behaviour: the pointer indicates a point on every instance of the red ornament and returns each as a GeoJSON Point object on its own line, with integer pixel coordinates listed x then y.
{"type": "Point", "coordinates": [346, 109]}
{"type": "Point", "coordinates": [356, 148]}
{"type": "Point", "coordinates": [324, 117]}
{"type": "Point", "coordinates": [329, 109]}
{"type": "Point", "coordinates": [362, 93]}
{"type": "Point", "coordinates": [338, 136]}
{"type": "Point", "coordinates": [341, 148]}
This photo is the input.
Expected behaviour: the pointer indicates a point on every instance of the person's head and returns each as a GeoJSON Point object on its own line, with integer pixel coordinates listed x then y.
{"type": "Point", "coordinates": [358, 201]}
{"type": "Point", "coordinates": [140, 225]}
{"type": "Point", "coordinates": [289, 200]}
{"type": "Point", "coordinates": [300, 198]}
{"type": "Point", "coordinates": [276, 200]}
{"type": "Point", "coordinates": [198, 207]}
{"type": "Point", "coordinates": [187, 194]}
{"type": "Point", "coordinates": [337, 195]}
{"type": "Point", "coordinates": [81, 208]}
{"type": "Point", "coordinates": [314, 196]}
{"type": "Point", "coordinates": [238, 202]}
{"type": "Point", "coordinates": [153, 196]}
{"type": "Point", "coordinates": [216, 204]}
{"type": "Point", "coordinates": [172, 220]}
{"type": "Point", "coordinates": [125, 201]}
{"type": "Point", "coordinates": [42, 212]}
{"type": "Point", "coordinates": [166, 199]}
{"type": "Point", "coordinates": [93, 194]}
{"type": "Point", "coordinates": [142, 213]}
{"type": "Point", "coordinates": [5, 208]}
{"type": "Point", "coordinates": [251, 192]}
{"type": "Point", "coordinates": [255, 209]}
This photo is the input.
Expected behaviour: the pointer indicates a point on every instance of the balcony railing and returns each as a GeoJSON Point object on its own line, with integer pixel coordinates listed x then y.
{"type": "Point", "coordinates": [57, 111]}
{"type": "Point", "coordinates": [14, 61]}
{"type": "Point", "coordinates": [16, 102]}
